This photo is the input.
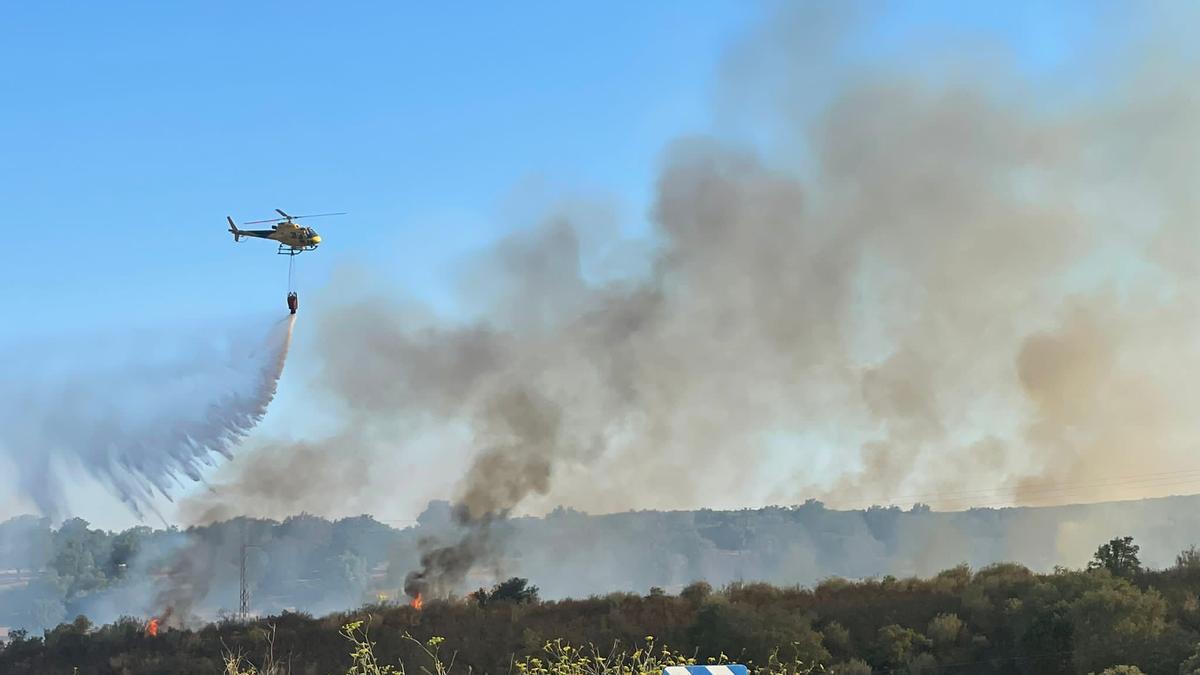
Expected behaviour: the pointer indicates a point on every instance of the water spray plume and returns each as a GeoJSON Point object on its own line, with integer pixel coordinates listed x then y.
{"type": "Point", "coordinates": [142, 415]}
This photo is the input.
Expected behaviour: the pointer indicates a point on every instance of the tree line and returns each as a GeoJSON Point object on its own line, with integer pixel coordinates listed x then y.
{"type": "Point", "coordinates": [1001, 618]}
{"type": "Point", "coordinates": [305, 563]}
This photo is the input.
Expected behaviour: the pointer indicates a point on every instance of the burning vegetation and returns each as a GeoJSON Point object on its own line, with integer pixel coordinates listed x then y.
{"type": "Point", "coordinates": [1114, 612]}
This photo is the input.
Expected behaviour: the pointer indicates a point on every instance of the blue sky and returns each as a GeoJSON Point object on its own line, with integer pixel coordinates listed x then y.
{"type": "Point", "coordinates": [132, 129]}
{"type": "Point", "coordinates": [129, 130]}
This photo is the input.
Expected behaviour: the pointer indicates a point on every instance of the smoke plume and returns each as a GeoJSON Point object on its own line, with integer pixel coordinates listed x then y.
{"type": "Point", "coordinates": [138, 414]}
{"type": "Point", "coordinates": [186, 582]}
{"type": "Point", "coordinates": [930, 280]}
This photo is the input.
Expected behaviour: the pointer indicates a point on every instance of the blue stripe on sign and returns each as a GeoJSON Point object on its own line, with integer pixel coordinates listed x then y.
{"type": "Point", "coordinates": [727, 669]}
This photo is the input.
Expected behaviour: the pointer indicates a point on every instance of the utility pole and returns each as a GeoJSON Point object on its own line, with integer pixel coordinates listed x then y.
{"type": "Point", "coordinates": [244, 592]}
{"type": "Point", "coordinates": [243, 587]}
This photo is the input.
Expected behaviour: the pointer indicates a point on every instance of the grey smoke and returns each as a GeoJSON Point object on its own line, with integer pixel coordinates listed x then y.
{"type": "Point", "coordinates": [140, 414]}
{"type": "Point", "coordinates": [444, 567]}
{"type": "Point", "coordinates": [971, 279]}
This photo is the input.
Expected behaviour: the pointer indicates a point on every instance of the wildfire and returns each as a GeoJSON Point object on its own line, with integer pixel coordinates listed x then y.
{"type": "Point", "coordinates": [152, 628]}
{"type": "Point", "coordinates": [417, 602]}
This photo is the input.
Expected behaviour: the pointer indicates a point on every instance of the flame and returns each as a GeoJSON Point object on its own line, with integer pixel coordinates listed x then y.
{"type": "Point", "coordinates": [152, 628]}
{"type": "Point", "coordinates": [417, 602]}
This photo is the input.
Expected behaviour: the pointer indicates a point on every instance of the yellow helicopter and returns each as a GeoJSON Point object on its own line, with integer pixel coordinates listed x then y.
{"type": "Point", "coordinates": [292, 238]}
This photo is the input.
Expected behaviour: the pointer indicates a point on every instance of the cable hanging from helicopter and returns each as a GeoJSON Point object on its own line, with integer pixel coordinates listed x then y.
{"type": "Point", "coordinates": [292, 239]}
{"type": "Point", "coordinates": [293, 299]}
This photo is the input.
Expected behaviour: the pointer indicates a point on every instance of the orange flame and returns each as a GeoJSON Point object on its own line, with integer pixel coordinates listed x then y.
{"type": "Point", "coordinates": [152, 628]}
{"type": "Point", "coordinates": [417, 602]}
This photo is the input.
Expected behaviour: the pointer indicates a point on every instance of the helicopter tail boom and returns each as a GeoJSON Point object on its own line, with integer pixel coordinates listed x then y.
{"type": "Point", "coordinates": [237, 234]}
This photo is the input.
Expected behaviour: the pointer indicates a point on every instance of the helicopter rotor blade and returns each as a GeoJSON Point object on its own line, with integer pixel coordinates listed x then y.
{"type": "Point", "coordinates": [283, 214]}
{"type": "Point", "coordinates": [318, 215]}
{"type": "Point", "coordinates": [280, 220]}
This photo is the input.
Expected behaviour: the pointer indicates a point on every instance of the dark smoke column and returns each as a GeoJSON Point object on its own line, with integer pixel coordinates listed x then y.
{"type": "Point", "coordinates": [498, 480]}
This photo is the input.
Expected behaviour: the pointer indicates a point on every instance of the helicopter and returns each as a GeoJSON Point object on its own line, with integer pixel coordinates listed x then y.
{"type": "Point", "coordinates": [292, 238]}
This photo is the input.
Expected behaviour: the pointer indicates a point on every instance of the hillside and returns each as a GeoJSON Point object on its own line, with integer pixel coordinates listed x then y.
{"type": "Point", "coordinates": [314, 565]}
{"type": "Point", "coordinates": [1000, 619]}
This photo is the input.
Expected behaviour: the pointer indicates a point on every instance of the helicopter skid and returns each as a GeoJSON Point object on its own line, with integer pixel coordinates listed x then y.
{"type": "Point", "coordinates": [284, 249]}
